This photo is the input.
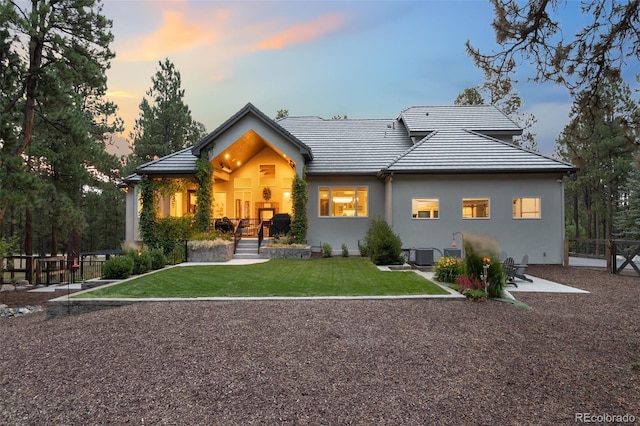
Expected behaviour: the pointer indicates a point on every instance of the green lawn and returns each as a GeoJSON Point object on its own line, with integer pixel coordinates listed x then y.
{"type": "Point", "coordinates": [279, 277]}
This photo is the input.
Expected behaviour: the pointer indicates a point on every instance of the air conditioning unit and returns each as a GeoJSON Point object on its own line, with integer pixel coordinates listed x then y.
{"type": "Point", "coordinates": [453, 252]}
{"type": "Point", "coordinates": [424, 257]}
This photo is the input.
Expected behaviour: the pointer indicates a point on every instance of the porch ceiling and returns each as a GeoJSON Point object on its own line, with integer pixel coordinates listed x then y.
{"type": "Point", "coordinates": [241, 151]}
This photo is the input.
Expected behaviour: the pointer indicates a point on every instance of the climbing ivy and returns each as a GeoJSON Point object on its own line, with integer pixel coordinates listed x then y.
{"type": "Point", "coordinates": [149, 213]}
{"type": "Point", "coordinates": [204, 178]}
{"type": "Point", "coordinates": [300, 194]}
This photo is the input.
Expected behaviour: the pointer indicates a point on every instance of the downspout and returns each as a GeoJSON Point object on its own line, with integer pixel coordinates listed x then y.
{"type": "Point", "coordinates": [388, 199]}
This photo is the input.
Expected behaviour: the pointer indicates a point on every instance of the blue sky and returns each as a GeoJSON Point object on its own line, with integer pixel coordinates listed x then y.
{"type": "Point", "coordinates": [365, 59]}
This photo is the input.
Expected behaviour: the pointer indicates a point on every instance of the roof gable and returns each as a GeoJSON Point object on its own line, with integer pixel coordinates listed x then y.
{"type": "Point", "coordinates": [249, 109]}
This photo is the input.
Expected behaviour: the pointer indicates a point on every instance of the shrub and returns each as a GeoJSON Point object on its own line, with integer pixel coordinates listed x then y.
{"type": "Point", "coordinates": [383, 246]}
{"type": "Point", "coordinates": [327, 250]}
{"type": "Point", "coordinates": [447, 269]}
{"type": "Point", "coordinates": [471, 287]}
{"type": "Point", "coordinates": [364, 252]}
{"type": "Point", "coordinates": [170, 231]}
{"type": "Point", "coordinates": [158, 260]}
{"type": "Point", "coordinates": [481, 250]}
{"type": "Point", "coordinates": [345, 251]}
{"type": "Point", "coordinates": [141, 261]}
{"type": "Point", "coordinates": [119, 267]}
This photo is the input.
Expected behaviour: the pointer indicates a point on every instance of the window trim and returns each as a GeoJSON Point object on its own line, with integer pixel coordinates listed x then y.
{"type": "Point", "coordinates": [488, 199]}
{"type": "Point", "coordinates": [514, 217]}
{"type": "Point", "coordinates": [355, 188]}
{"type": "Point", "coordinates": [416, 216]}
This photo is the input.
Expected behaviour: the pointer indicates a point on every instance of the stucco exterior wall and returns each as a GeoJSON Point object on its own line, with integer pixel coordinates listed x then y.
{"type": "Point", "coordinates": [542, 239]}
{"type": "Point", "coordinates": [341, 230]}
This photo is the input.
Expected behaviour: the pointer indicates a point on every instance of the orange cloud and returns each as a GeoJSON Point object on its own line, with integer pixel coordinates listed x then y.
{"type": "Point", "coordinates": [175, 34]}
{"type": "Point", "coordinates": [304, 32]}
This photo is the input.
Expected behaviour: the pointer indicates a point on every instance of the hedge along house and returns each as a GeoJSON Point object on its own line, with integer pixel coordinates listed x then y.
{"type": "Point", "coordinates": [433, 173]}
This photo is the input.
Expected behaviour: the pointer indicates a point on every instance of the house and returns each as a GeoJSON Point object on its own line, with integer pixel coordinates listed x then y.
{"type": "Point", "coordinates": [434, 173]}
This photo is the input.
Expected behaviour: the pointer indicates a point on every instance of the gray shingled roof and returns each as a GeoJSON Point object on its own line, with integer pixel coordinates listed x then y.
{"type": "Point", "coordinates": [424, 119]}
{"type": "Point", "coordinates": [179, 163]}
{"type": "Point", "coordinates": [361, 146]}
{"type": "Point", "coordinates": [453, 143]}
{"type": "Point", "coordinates": [448, 151]}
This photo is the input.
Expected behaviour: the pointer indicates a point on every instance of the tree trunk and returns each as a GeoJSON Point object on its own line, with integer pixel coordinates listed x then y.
{"type": "Point", "coordinates": [28, 242]}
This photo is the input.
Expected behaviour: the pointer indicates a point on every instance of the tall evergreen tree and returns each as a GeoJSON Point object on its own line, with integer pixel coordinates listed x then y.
{"type": "Point", "coordinates": [64, 51]}
{"type": "Point", "coordinates": [165, 124]}
{"type": "Point", "coordinates": [601, 141]}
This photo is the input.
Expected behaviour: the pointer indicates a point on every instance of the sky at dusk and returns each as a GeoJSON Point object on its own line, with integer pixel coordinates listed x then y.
{"type": "Point", "coordinates": [365, 59]}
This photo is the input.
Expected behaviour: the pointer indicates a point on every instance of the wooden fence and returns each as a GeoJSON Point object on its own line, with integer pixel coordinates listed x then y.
{"type": "Point", "coordinates": [621, 256]}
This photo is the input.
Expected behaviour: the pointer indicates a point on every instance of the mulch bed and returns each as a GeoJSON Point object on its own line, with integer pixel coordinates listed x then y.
{"type": "Point", "coordinates": [333, 362]}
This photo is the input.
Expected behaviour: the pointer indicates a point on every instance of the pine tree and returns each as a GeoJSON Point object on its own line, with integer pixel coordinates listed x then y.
{"type": "Point", "coordinates": [165, 124]}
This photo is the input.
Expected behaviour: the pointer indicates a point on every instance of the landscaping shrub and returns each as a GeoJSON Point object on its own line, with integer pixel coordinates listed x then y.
{"type": "Point", "coordinates": [345, 251]}
{"type": "Point", "coordinates": [383, 246]}
{"type": "Point", "coordinates": [119, 267]}
{"type": "Point", "coordinates": [471, 286]}
{"type": "Point", "coordinates": [141, 261]}
{"type": "Point", "coordinates": [158, 260]}
{"type": "Point", "coordinates": [170, 232]}
{"type": "Point", "coordinates": [364, 252]}
{"type": "Point", "coordinates": [447, 269]}
{"type": "Point", "coordinates": [481, 250]}
{"type": "Point", "coordinates": [327, 250]}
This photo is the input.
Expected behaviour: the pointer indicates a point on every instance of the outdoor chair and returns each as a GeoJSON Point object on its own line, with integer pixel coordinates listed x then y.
{"type": "Point", "coordinates": [520, 268]}
{"type": "Point", "coordinates": [509, 269]}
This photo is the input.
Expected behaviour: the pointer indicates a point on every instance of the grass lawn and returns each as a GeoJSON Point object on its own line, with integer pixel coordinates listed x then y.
{"type": "Point", "coordinates": [336, 276]}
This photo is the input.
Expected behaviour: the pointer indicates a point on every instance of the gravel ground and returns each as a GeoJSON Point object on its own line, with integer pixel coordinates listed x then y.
{"type": "Point", "coordinates": [333, 362]}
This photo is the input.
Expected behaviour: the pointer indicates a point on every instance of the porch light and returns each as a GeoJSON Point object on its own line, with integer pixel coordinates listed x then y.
{"type": "Point", "coordinates": [238, 164]}
{"type": "Point", "coordinates": [287, 194]}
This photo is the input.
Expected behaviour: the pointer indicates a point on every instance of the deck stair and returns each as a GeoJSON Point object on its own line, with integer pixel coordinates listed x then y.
{"type": "Point", "coordinates": [248, 248]}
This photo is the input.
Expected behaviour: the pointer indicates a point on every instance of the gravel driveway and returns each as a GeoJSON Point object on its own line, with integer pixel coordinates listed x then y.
{"type": "Point", "coordinates": [401, 362]}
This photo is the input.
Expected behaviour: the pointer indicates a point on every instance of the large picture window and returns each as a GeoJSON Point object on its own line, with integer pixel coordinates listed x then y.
{"type": "Point", "coordinates": [475, 208]}
{"type": "Point", "coordinates": [425, 208]}
{"type": "Point", "coordinates": [526, 208]}
{"type": "Point", "coordinates": [343, 201]}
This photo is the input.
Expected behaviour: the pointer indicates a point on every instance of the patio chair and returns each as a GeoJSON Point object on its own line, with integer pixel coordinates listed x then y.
{"type": "Point", "coordinates": [520, 268]}
{"type": "Point", "coordinates": [509, 269]}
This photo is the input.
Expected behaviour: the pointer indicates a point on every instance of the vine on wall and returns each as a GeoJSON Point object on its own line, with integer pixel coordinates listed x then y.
{"type": "Point", "coordinates": [204, 179]}
{"type": "Point", "coordinates": [148, 215]}
{"type": "Point", "coordinates": [300, 194]}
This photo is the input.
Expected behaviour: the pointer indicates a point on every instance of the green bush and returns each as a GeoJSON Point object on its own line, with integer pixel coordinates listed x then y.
{"type": "Point", "coordinates": [158, 260]}
{"type": "Point", "coordinates": [172, 231]}
{"type": "Point", "coordinates": [384, 247]}
{"type": "Point", "coordinates": [364, 252]}
{"type": "Point", "coordinates": [327, 250]}
{"type": "Point", "coordinates": [141, 261]}
{"type": "Point", "coordinates": [119, 267]}
{"type": "Point", "coordinates": [345, 250]}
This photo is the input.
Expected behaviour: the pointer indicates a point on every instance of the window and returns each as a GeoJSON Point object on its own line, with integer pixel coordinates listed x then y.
{"type": "Point", "coordinates": [526, 208]}
{"type": "Point", "coordinates": [425, 208]}
{"type": "Point", "coordinates": [267, 174]}
{"type": "Point", "coordinates": [343, 201]}
{"type": "Point", "coordinates": [475, 208]}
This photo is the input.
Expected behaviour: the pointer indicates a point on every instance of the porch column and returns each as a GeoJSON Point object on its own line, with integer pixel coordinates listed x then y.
{"type": "Point", "coordinates": [388, 200]}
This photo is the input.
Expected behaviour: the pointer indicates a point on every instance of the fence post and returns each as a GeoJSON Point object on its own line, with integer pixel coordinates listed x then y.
{"type": "Point", "coordinates": [565, 259]}
{"type": "Point", "coordinates": [608, 254]}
